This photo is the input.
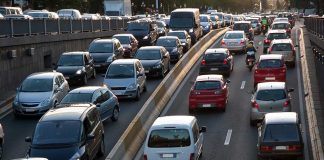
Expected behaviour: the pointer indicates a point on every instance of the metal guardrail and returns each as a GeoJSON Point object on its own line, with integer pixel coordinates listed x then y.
{"type": "Point", "coordinates": [315, 25]}
{"type": "Point", "coordinates": [22, 27]}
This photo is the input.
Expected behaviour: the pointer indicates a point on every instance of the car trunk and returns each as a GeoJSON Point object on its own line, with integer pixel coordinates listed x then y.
{"type": "Point", "coordinates": [170, 153]}
{"type": "Point", "coordinates": [271, 105]}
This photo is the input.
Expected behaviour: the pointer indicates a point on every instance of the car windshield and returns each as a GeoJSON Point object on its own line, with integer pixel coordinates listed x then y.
{"type": "Point", "coordinates": [253, 20]}
{"type": "Point", "coordinates": [3, 11]}
{"type": "Point", "coordinates": [57, 132]}
{"type": "Point", "coordinates": [180, 35]}
{"type": "Point", "coordinates": [116, 71]}
{"type": "Point", "coordinates": [280, 26]}
{"type": "Point", "coordinates": [233, 36]}
{"type": "Point", "coordinates": [227, 17]}
{"type": "Point", "coordinates": [270, 63]}
{"type": "Point", "coordinates": [181, 22]}
{"type": "Point", "coordinates": [207, 85]}
{"type": "Point", "coordinates": [38, 15]}
{"type": "Point", "coordinates": [214, 57]}
{"type": "Point", "coordinates": [203, 19]}
{"type": "Point", "coordinates": [273, 36]}
{"type": "Point", "coordinates": [77, 98]}
{"type": "Point", "coordinates": [271, 95]}
{"type": "Point", "coordinates": [138, 26]}
{"type": "Point", "coordinates": [148, 55]}
{"type": "Point", "coordinates": [160, 24]}
{"type": "Point", "coordinates": [169, 138]}
{"type": "Point", "coordinates": [101, 48]}
{"type": "Point", "coordinates": [166, 42]}
{"type": "Point", "coordinates": [281, 132]}
{"type": "Point", "coordinates": [220, 16]}
{"type": "Point", "coordinates": [213, 18]}
{"type": "Point", "coordinates": [282, 47]}
{"type": "Point", "coordinates": [123, 39]}
{"type": "Point", "coordinates": [37, 85]}
{"type": "Point", "coordinates": [70, 60]}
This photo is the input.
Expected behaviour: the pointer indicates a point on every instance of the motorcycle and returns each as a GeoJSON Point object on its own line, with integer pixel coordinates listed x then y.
{"type": "Point", "coordinates": [264, 29]}
{"type": "Point", "coordinates": [250, 59]}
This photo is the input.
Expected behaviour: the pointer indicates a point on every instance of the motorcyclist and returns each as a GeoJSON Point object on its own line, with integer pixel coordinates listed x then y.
{"type": "Point", "coordinates": [264, 22]}
{"type": "Point", "coordinates": [250, 48]}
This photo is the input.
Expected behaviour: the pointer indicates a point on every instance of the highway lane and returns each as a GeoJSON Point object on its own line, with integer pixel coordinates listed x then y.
{"type": "Point", "coordinates": [241, 143]}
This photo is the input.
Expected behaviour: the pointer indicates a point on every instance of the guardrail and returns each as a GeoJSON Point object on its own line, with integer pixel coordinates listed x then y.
{"type": "Point", "coordinates": [315, 25]}
{"type": "Point", "coordinates": [132, 139]}
{"type": "Point", "coordinates": [24, 27]}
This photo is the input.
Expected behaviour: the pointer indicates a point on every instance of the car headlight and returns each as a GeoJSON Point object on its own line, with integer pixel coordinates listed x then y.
{"type": "Point", "coordinates": [146, 37]}
{"type": "Point", "coordinates": [78, 154]}
{"type": "Point", "coordinates": [207, 26]}
{"type": "Point", "coordinates": [46, 102]}
{"type": "Point", "coordinates": [157, 66]}
{"type": "Point", "coordinates": [191, 30]}
{"type": "Point", "coordinates": [131, 87]}
{"type": "Point", "coordinates": [16, 101]}
{"type": "Point", "coordinates": [110, 59]}
{"type": "Point", "coordinates": [78, 72]}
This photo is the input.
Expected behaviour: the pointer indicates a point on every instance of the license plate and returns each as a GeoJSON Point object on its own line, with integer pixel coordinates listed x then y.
{"type": "Point", "coordinates": [206, 105]}
{"type": "Point", "coordinates": [168, 155]}
{"type": "Point", "coordinates": [281, 147]}
{"type": "Point", "coordinates": [67, 78]}
{"type": "Point", "coordinates": [147, 71]}
{"type": "Point", "coordinates": [214, 69]}
{"type": "Point", "coordinates": [270, 78]}
{"type": "Point", "coordinates": [30, 110]}
{"type": "Point", "coordinates": [232, 43]}
{"type": "Point", "coordinates": [118, 92]}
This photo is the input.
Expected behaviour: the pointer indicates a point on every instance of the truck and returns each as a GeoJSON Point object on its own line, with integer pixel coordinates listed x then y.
{"type": "Point", "coordinates": [117, 7]}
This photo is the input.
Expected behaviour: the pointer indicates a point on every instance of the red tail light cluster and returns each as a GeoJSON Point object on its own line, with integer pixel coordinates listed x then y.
{"type": "Point", "coordinates": [266, 148]}
{"type": "Point", "coordinates": [294, 148]}
{"type": "Point", "coordinates": [254, 104]}
{"type": "Point", "coordinates": [283, 70]}
{"type": "Point", "coordinates": [286, 104]}
{"type": "Point", "coordinates": [203, 62]}
{"type": "Point", "coordinates": [242, 42]}
{"type": "Point", "coordinates": [145, 157]}
{"type": "Point", "coordinates": [266, 41]}
{"type": "Point", "coordinates": [223, 42]}
{"type": "Point", "coordinates": [225, 61]}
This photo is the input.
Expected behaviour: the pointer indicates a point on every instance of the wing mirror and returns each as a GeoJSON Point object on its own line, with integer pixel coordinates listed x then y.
{"type": "Point", "coordinates": [90, 137]}
{"type": "Point", "coordinates": [291, 89]}
{"type": "Point", "coordinates": [203, 129]}
{"type": "Point", "coordinates": [228, 81]}
{"type": "Point", "coordinates": [28, 139]}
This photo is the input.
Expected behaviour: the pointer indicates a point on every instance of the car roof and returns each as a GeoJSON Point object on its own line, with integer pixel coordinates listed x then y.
{"type": "Point", "coordinates": [105, 40]}
{"type": "Point", "coordinates": [235, 32]}
{"type": "Point", "coordinates": [216, 50]}
{"type": "Point", "coordinates": [275, 41]}
{"type": "Point", "coordinates": [74, 53]}
{"type": "Point", "coordinates": [151, 47]}
{"type": "Point", "coordinates": [179, 31]}
{"type": "Point", "coordinates": [277, 31]}
{"type": "Point", "coordinates": [70, 112]}
{"type": "Point", "coordinates": [124, 34]}
{"type": "Point", "coordinates": [173, 121]}
{"type": "Point", "coordinates": [270, 56]}
{"type": "Point", "coordinates": [271, 85]}
{"type": "Point", "coordinates": [44, 75]}
{"type": "Point", "coordinates": [239, 22]}
{"type": "Point", "coordinates": [124, 61]}
{"type": "Point", "coordinates": [209, 77]}
{"type": "Point", "coordinates": [87, 89]}
{"type": "Point", "coordinates": [168, 37]}
{"type": "Point", "coordinates": [281, 118]}
{"type": "Point", "coordinates": [280, 21]}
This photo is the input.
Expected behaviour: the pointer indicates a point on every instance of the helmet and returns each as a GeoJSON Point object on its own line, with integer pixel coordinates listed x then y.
{"type": "Point", "coordinates": [251, 42]}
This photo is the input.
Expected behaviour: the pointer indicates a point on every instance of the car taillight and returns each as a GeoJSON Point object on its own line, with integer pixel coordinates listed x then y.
{"type": "Point", "coordinates": [225, 61]}
{"type": "Point", "coordinates": [283, 70]}
{"type": "Point", "coordinates": [203, 62]}
{"type": "Point", "coordinates": [250, 30]}
{"type": "Point", "coordinates": [266, 148]}
{"type": "Point", "coordinates": [266, 41]}
{"type": "Point", "coordinates": [145, 157]}
{"type": "Point", "coordinates": [286, 104]}
{"type": "Point", "coordinates": [223, 42]}
{"type": "Point", "coordinates": [192, 156]}
{"type": "Point", "coordinates": [294, 148]}
{"type": "Point", "coordinates": [219, 91]}
{"type": "Point", "coordinates": [254, 104]}
{"type": "Point", "coordinates": [270, 49]}
{"type": "Point", "coordinates": [256, 71]}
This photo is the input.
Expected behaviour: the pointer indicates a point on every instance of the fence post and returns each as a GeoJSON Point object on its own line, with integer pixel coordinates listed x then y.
{"type": "Point", "coordinates": [11, 27]}
{"type": "Point", "coordinates": [91, 25]}
{"type": "Point", "coordinates": [45, 26]}
{"type": "Point", "coordinates": [71, 25]}
{"type": "Point", "coordinates": [59, 26]}
{"type": "Point", "coordinates": [101, 27]}
{"type": "Point", "coordinates": [29, 27]}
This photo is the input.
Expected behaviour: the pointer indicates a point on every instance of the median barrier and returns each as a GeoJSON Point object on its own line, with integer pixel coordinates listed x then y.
{"type": "Point", "coordinates": [133, 137]}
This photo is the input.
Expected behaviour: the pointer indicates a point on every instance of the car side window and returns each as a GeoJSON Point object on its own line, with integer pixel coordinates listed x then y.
{"type": "Point", "coordinates": [105, 94]}
{"type": "Point", "coordinates": [87, 126]}
{"type": "Point", "coordinates": [61, 79]}
{"type": "Point", "coordinates": [138, 66]}
{"type": "Point", "coordinates": [57, 82]}
{"type": "Point", "coordinates": [92, 119]}
{"type": "Point", "coordinates": [96, 97]}
{"type": "Point", "coordinates": [86, 60]}
{"type": "Point", "coordinates": [195, 132]}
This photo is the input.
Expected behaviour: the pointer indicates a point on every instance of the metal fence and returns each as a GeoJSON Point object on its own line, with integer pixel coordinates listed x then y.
{"type": "Point", "coordinates": [315, 25]}
{"type": "Point", "coordinates": [22, 27]}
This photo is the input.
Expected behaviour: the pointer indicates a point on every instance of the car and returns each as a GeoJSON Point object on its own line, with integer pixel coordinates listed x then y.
{"type": "Point", "coordinates": [77, 67]}
{"type": "Point", "coordinates": [291, 20]}
{"type": "Point", "coordinates": [220, 18]}
{"type": "Point", "coordinates": [184, 37]}
{"type": "Point", "coordinates": [90, 16]}
{"type": "Point", "coordinates": [228, 20]}
{"type": "Point", "coordinates": [43, 15]}
{"type": "Point", "coordinates": [145, 31]}
{"type": "Point", "coordinates": [256, 25]}
{"type": "Point", "coordinates": [73, 132]}
{"type": "Point", "coordinates": [282, 25]}
{"type": "Point", "coordinates": [237, 18]}
{"type": "Point", "coordinates": [126, 78]}
{"type": "Point", "coordinates": [235, 41]}
{"type": "Point", "coordinates": [270, 68]}
{"type": "Point", "coordinates": [104, 52]}
{"type": "Point", "coordinates": [205, 23]}
{"type": "Point", "coordinates": [69, 14]}
{"type": "Point", "coordinates": [106, 102]}
{"type": "Point", "coordinates": [162, 28]}
{"type": "Point", "coordinates": [246, 27]}
{"type": "Point", "coordinates": [10, 10]}
{"type": "Point", "coordinates": [279, 19]}
{"type": "Point", "coordinates": [17, 16]}
{"type": "Point", "coordinates": [217, 61]}
{"type": "Point", "coordinates": [155, 59]}
{"type": "Point", "coordinates": [271, 35]}
{"type": "Point", "coordinates": [1, 16]}
{"type": "Point", "coordinates": [129, 43]}
{"type": "Point", "coordinates": [38, 93]}
{"type": "Point", "coordinates": [173, 45]}
{"type": "Point", "coordinates": [286, 48]}
{"type": "Point", "coordinates": [215, 21]}
{"type": "Point", "coordinates": [1, 141]}
{"type": "Point", "coordinates": [174, 137]}
{"type": "Point", "coordinates": [280, 136]}
{"type": "Point", "coordinates": [209, 91]}
{"type": "Point", "coordinates": [269, 97]}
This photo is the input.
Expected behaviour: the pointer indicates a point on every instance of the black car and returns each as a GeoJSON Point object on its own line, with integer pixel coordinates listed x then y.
{"type": "Point", "coordinates": [217, 61]}
{"type": "Point", "coordinates": [76, 67]}
{"type": "Point", "coordinates": [144, 30]}
{"type": "Point", "coordinates": [155, 59]}
{"type": "Point", "coordinates": [162, 29]}
{"type": "Point", "coordinates": [104, 51]}
{"type": "Point", "coordinates": [73, 132]}
{"type": "Point", "coordinates": [184, 37]}
{"type": "Point", "coordinates": [129, 43]}
{"type": "Point", "coordinates": [245, 26]}
{"type": "Point", "coordinates": [173, 45]}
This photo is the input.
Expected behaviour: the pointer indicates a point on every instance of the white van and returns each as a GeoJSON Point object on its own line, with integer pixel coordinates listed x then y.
{"type": "Point", "coordinates": [174, 138]}
{"type": "Point", "coordinates": [10, 11]}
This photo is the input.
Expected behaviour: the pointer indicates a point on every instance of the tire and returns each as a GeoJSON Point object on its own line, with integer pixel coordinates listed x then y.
{"type": "Point", "coordinates": [138, 95]}
{"type": "Point", "coordinates": [145, 88]}
{"type": "Point", "coordinates": [102, 148]}
{"type": "Point", "coordinates": [115, 114]}
{"type": "Point", "coordinates": [85, 80]}
{"type": "Point", "coordinates": [94, 74]}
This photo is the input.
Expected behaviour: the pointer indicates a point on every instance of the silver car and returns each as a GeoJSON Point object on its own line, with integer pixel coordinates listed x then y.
{"type": "Point", "coordinates": [284, 47]}
{"type": "Point", "coordinates": [269, 97]}
{"type": "Point", "coordinates": [39, 92]}
{"type": "Point", "coordinates": [235, 41]}
{"type": "Point", "coordinates": [126, 78]}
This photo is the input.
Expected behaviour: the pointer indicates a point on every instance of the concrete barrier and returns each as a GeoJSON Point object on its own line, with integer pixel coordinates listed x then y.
{"type": "Point", "coordinates": [133, 137]}
{"type": "Point", "coordinates": [310, 87]}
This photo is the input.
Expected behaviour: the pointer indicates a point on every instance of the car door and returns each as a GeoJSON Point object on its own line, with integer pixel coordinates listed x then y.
{"type": "Point", "coordinates": [87, 65]}
{"type": "Point", "coordinates": [197, 139]}
{"type": "Point", "coordinates": [141, 78]}
{"type": "Point", "coordinates": [97, 100]}
{"type": "Point", "coordinates": [95, 129]}
{"type": "Point", "coordinates": [108, 103]}
{"type": "Point", "coordinates": [58, 90]}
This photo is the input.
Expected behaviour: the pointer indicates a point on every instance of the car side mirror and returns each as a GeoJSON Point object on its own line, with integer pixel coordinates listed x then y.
{"type": "Point", "coordinates": [296, 45]}
{"type": "Point", "coordinates": [167, 26]}
{"type": "Point", "coordinates": [28, 139]}
{"type": "Point", "coordinates": [203, 129]}
{"type": "Point", "coordinates": [228, 81]}
{"type": "Point", "coordinates": [90, 137]}
{"type": "Point", "coordinates": [98, 104]}
{"type": "Point", "coordinates": [291, 89]}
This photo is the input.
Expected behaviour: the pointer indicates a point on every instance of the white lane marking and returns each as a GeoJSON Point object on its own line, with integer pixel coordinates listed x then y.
{"type": "Point", "coordinates": [228, 137]}
{"type": "Point", "coordinates": [242, 85]}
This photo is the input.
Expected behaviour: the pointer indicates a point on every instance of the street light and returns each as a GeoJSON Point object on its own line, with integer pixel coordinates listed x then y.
{"type": "Point", "coordinates": [133, 8]}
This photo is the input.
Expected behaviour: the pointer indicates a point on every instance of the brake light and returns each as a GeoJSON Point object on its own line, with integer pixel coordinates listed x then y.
{"type": "Point", "coordinates": [223, 42]}
{"type": "Point", "coordinates": [145, 157]}
{"type": "Point", "coordinates": [270, 49]}
{"type": "Point", "coordinates": [256, 71]}
{"type": "Point", "coordinates": [294, 148]}
{"type": "Point", "coordinates": [203, 62]}
{"type": "Point", "coordinates": [266, 148]}
{"type": "Point", "coordinates": [267, 41]}
{"type": "Point", "coordinates": [254, 104]}
{"type": "Point", "coordinates": [250, 30]}
{"type": "Point", "coordinates": [286, 104]}
{"type": "Point", "coordinates": [225, 61]}
{"type": "Point", "coordinates": [283, 70]}
{"type": "Point", "coordinates": [192, 156]}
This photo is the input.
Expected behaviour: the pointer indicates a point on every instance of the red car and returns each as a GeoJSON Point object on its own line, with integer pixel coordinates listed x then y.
{"type": "Point", "coordinates": [209, 91]}
{"type": "Point", "coordinates": [270, 68]}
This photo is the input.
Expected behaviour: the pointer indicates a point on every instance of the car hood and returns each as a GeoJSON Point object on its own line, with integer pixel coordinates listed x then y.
{"type": "Point", "coordinates": [33, 97]}
{"type": "Point", "coordinates": [54, 152]}
{"type": "Point", "coordinates": [149, 63]}
{"type": "Point", "coordinates": [170, 49]}
{"type": "Point", "coordinates": [119, 82]}
{"type": "Point", "coordinates": [68, 70]}
{"type": "Point", "coordinates": [101, 56]}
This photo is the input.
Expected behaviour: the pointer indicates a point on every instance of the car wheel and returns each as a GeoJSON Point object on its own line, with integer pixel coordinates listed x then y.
{"type": "Point", "coordinates": [138, 95]}
{"type": "Point", "coordinates": [145, 88]}
{"type": "Point", "coordinates": [85, 80]}
{"type": "Point", "coordinates": [115, 114]}
{"type": "Point", "coordinates": [102, 149]}
{"type": "Point", "coordinates": [94, 74]}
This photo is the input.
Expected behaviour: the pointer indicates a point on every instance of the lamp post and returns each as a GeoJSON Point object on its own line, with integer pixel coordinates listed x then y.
{"type": "Point", "coordinates": [132, 8]}
{"type": "Point", "coordinates": [161, 6]}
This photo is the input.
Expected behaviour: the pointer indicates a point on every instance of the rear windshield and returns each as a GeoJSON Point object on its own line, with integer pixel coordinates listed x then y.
{"type": "Point", "coordinates": [123, 39]}
{"type": "Point", "coordinates": [166, 42]}
{"type": "Point", "coordinates": [101, 48]}
{"type": "Point", "coordinates": [241, 26]}
{"type": "Point", "coordinates": [253, 20]}
{"type": "Point", "coordinates": [233, 36]}
{"type": "Point", "coordinates": [138, 26]}
{"type": "Point", "coordinates": [270, 63]}
{"type": "Point", "coordinates": [148, 54]}
{"type": "Point", "coordinates": [280, 26]}
{"type": "Point", "coordinates": [271, 95]}
{"type": "Point", "coordinates": [180, 35]}
{"type": "Point", "coordinates": [281, 47]}
{"type": "Point", "coordinates": [165, 138]}
{"type": "Point", "coordinates": [281, 132]}
{"type": "Point", "coordinates": [207, 85]}
{"type": "Point", "coordinates": [273, 36]}
{"type": "Point", "coordinates": [203, 19]}
{"type": "Point", "coordinates": [214, 56]}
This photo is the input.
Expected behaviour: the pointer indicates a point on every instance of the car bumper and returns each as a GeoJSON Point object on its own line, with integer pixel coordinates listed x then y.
{"type": "Point", "coordinates": [74, 78]}
{"type": "Point", "coordinates": [215, 70]}
{"type": "Point", "coordinates": [101, 66]}
{"type": "Point", "coordinates": [153, 72]}
{"type": "Point", "coordinates": [199, 103]}
{"type": "Point", "coordinates": [281, 155]}
{"type": "Point", "coordinates": [235, 48]}
{"type": "Point", "coordinates": [258, 116]}
{"type": "Point", "coordinates": [269, 79]}
{"type": "Point", "coordinates": [30, 111]}
{"type": "Point", "coordinates": [121, 94]}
